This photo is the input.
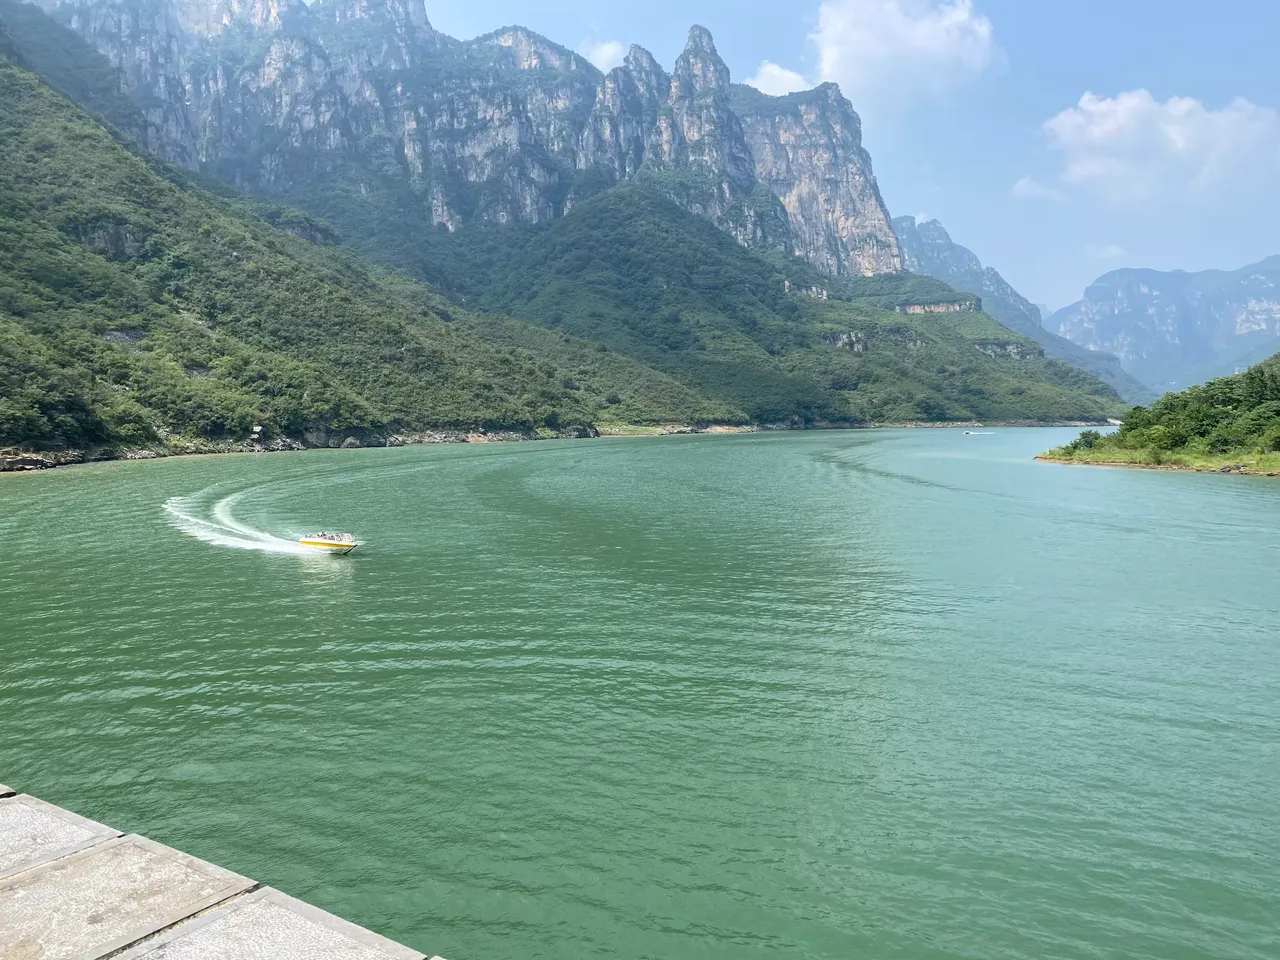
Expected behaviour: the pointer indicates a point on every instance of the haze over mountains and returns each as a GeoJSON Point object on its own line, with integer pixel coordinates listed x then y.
{"type": "Point", "coordinates": [928, 249]}
{"type": "Point", "coordinates": [1173, 329]}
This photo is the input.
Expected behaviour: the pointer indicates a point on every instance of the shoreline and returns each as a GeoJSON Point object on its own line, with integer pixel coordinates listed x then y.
{"type": "Point", "coordinates": [1227, 469]}
{"type": "Point", "coordinates": [19, 460]}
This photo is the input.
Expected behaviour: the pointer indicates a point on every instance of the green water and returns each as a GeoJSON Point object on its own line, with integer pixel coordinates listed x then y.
{"type": "Point", "coordinates": [827, 695]}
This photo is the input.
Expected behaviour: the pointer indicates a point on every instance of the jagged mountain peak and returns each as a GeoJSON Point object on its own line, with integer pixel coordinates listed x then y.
{"type": "Point", "coordinates": [640, 60]}
{"type": "Point", "coordinates": [533, 51]}
{"type": "Point", "coordinates": [509, 127]}
{"type": "Point", "coordinates": [930, 229]}
{"type": "Point", "coordinates": [927, 248]}
{"type": "Point", "coordinates": [700, 41]}
{"type": "Point", "coordinates": [700, 68]}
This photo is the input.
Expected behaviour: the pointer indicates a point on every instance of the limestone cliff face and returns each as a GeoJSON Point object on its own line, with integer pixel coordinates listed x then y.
{"type": "Point", "coordinates": [143, 40]}
{"type": "Point", "coordinates": [276, 97]}
{"type": "Point", "coordinates": [207, 18]}
{"type": "Point", "coordinates": [622, 129]}
{"type": "Point", "coordinates": [807, 149]}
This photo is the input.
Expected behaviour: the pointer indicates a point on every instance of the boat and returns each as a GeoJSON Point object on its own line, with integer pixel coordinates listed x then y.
{"type": "Point", "coordinates": [339, 543]}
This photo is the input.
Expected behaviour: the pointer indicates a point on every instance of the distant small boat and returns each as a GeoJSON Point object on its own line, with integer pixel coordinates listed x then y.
{"type": "Point", "coordinates": [340, 543]}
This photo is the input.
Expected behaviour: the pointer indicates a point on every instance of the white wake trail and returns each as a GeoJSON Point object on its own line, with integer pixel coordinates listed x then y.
{"type": "Point", "coordinates": [216, 524]}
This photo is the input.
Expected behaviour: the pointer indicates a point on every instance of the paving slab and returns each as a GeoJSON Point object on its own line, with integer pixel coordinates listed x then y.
{"type": "Point", "coordinates": [6, 791]}
{"type": "Point", "coordinates": [269, 925]}
{"type": "Point", "coordinates": [33, 832]}
{"type": "Point", "coordinates": [104, 898]}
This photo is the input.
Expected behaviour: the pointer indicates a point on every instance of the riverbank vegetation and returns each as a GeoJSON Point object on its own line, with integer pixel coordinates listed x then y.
{"type": "Point", "coordinates": [1231, 423]}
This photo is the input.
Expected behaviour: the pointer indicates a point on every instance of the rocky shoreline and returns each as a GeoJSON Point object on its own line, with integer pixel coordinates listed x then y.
{"type": "Point", "coordinates": [1239, 469]}
{"type": "Point", "coordinates": [18, 460]}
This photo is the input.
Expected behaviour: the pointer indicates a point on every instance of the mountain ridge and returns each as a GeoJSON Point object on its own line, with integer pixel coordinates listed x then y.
{"type": "Point", "coordinates": [507, 127]}
{"type": "Point", "coordinates": [1175, 328]}
{"type": "Point", "coordinates": [141, 303]}
{"type": "Point", "coordinates": [138, 310]}
{"type": "Point", "coordinates": [929, 249]}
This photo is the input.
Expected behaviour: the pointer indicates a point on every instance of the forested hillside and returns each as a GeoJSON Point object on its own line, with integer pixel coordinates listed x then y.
{"type": "Point", "coordinates": [634, 271]}
{"type": "Point", "coordinates": [1233, 422]}
{"type": "Point", "coordinates": [135, 306]}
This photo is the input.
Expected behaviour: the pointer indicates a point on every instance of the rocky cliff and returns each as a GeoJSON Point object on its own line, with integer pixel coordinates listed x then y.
{"type": "Point", "coordinates": [928, 249]}
{"type": "Point", "coordinates": [275, 95]}
{"type": "Point", "coordinates": [1176, 329]}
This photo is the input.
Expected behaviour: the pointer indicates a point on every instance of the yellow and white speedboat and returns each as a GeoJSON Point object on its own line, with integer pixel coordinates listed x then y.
{"type": "Point", "coordinates": [340, 543]}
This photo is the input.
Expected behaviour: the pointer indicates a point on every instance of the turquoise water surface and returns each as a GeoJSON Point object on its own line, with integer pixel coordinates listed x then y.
{"type": "Point", "coordinates": [821, 695]}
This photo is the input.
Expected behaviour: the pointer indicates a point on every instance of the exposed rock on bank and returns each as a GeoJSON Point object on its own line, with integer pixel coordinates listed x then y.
{"type": "Point", "coordinates": [13, 459]}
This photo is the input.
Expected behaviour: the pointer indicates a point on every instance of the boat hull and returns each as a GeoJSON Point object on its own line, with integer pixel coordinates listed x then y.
{"type": "Point", "coordinates": [324, 546]}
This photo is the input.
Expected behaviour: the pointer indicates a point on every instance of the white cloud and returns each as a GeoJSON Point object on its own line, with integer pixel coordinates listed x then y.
{"type": "Point", "coordinates": [777, 81]}
{"type": "Point", "coordinates": [1133, 148]}
{"type": "Point", "coordinates": [1029, 188]}
{"type": "Point", "coordinates": [605, 54]}
{"type": "Point", "coordinates": [880, 50]}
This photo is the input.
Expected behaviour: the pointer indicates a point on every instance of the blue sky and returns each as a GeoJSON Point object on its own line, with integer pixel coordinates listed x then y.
{"type": "Point", "coordinates": [1058, 140]}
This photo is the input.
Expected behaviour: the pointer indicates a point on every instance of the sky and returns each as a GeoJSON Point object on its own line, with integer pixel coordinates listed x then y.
{"type": "Point", "coordinates": [1057, 139]}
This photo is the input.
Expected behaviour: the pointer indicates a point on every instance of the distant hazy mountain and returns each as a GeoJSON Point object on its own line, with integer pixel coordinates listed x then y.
{"type": "Point", "coordinates": [1176, 329]}
{"type": "Point", "coordinates": [928, 249]}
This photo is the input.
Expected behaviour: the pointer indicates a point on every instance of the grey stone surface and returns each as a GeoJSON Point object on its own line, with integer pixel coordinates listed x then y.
{"type": "Point", "coordinates": [33, 832]}
{"type": "Point", "coordinates": [107, 897]}
{"type": "Point", "coordinates": [268, 925]}
{"type": "Point", "coordinates": [6, 791]}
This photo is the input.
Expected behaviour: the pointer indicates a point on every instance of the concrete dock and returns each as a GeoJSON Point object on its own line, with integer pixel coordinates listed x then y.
{"type": "Point", "coordinates": [73, 889]}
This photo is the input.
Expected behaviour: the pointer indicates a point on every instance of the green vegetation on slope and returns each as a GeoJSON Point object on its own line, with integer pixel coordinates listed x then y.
{"type": "Point", "coordinates": [1231, 421]}
{"type": "Point", "coordinates": [135, 306]}
{"type": "Point", "coordinates": [634, 271]}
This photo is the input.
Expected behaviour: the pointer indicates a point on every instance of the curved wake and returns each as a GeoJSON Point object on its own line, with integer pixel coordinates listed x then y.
{"type": "Point", "coordinates": [214, 523]}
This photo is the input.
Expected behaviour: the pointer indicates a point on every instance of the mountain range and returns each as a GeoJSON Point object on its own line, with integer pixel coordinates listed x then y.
{"type": "Point", "coordinates": [928, 249]}
{"type": "Point", "coordinates": [1174, 329]}
{"type": "Point", "coordinates": [219, 221]}
{"type": "Point", "coordinates": [365, 98]}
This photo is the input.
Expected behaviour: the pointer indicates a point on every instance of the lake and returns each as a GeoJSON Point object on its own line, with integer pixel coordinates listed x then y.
{"type": "Point", "coordinates": [815, 695]}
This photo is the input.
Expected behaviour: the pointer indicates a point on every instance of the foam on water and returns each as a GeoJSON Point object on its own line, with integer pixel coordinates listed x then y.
{"type": "Point", "coordinates": [212, 521]}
